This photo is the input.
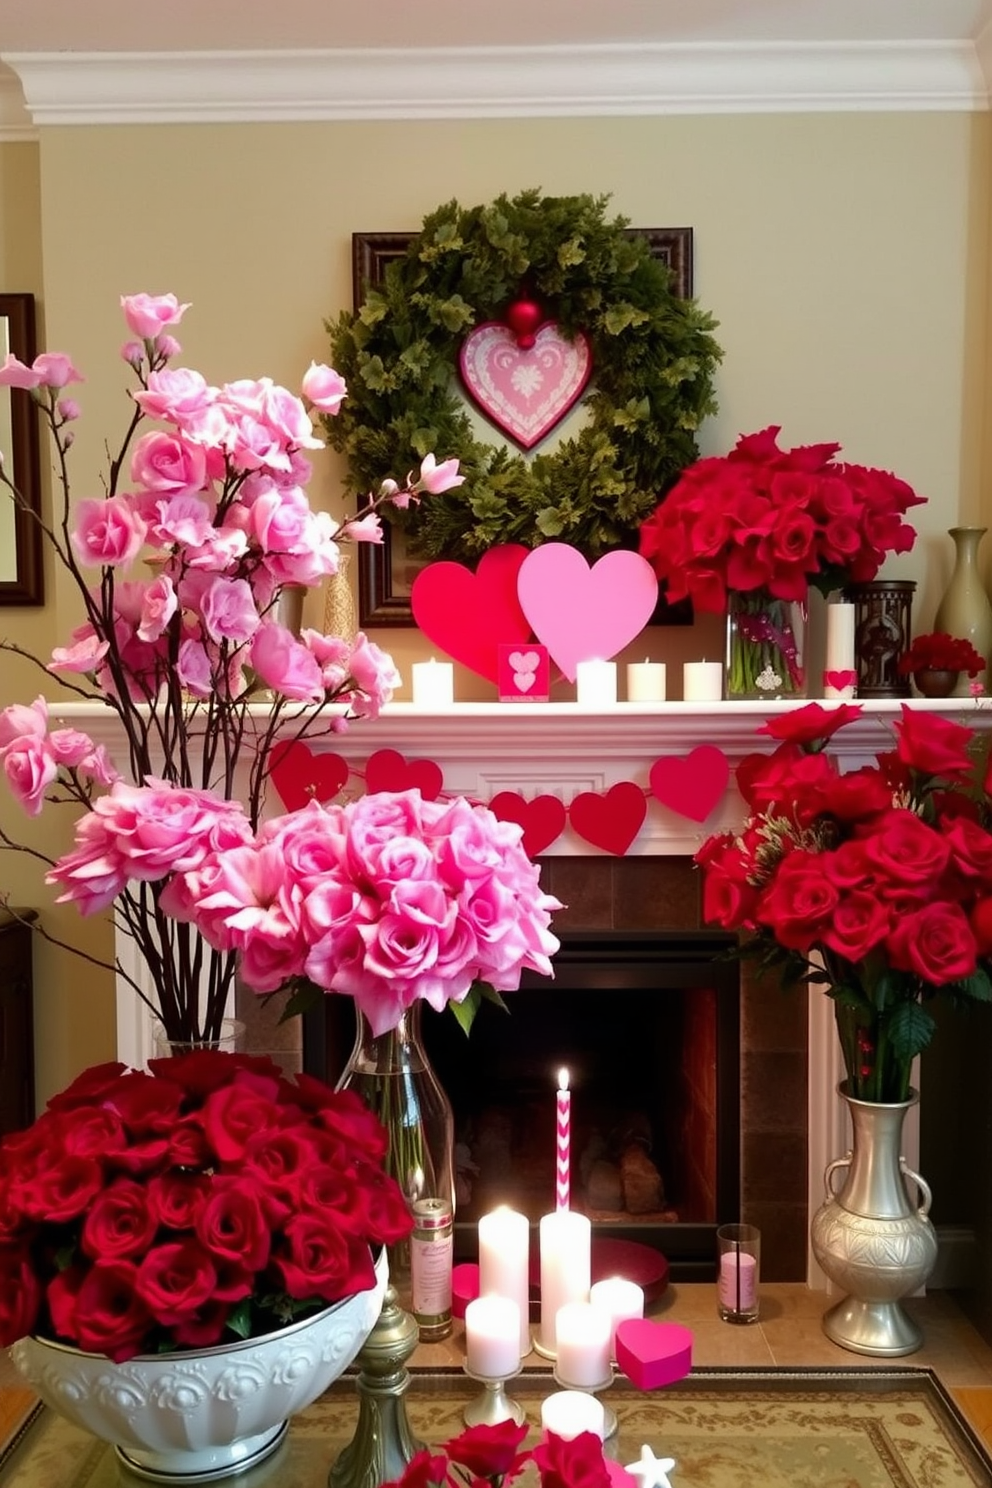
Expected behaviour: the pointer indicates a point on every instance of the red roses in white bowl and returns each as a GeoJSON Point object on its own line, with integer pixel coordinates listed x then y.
{"type": "Point", "coordinates": [202, 1202]}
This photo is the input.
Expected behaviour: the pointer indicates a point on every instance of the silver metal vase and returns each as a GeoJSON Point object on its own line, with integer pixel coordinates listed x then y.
{"type": "Point", "coordinates": [870, 1238]}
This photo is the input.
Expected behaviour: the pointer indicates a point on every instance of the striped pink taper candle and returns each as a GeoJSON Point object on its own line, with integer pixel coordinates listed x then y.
{"type": "Point", "coordinates": [563, 1178]}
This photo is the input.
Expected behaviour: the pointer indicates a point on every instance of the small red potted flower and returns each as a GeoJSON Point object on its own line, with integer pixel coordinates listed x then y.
{"type": "Point", "coordinates": [936, 661]}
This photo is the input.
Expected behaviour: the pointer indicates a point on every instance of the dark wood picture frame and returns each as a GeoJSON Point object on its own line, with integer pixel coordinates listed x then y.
{"type": "Point", "coordinates": [381, 601]}
{"type": "Point", "coordinates": [21, 572]}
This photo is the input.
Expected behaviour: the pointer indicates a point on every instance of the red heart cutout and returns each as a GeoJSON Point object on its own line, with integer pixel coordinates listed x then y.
{"type": "Point", "coordinates": [387, 770]}
{"type": "Point", "coordinates": [840, 680]}
{"type": "Point", "coordinates": [692, 785]}
{"type": "Point", "coordinates": [301, 775]}
{"type": "Point", "coordinates": [653, 1354]}
{"type": "Point", "coordinates": [542, 819]}
{"type": "Point", "coordinates": [469, 615]}
{"type": "Point", "coordinates": [610, 821]}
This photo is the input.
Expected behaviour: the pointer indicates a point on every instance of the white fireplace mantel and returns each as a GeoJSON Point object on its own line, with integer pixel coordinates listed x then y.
{"type": "Point", "coordinates": [564, 748]}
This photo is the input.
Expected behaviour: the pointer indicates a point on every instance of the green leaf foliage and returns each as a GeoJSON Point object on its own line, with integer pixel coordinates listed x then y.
{"type": "Point", "coordinates": [654, 358]}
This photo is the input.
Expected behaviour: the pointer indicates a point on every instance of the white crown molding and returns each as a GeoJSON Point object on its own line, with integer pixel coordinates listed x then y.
{"type": "Point", "coordinates": [983, 51]}
{"type": "Point", "coordinates": [499, 82]}
{"type": "Point", "coordinates": [16, 124]}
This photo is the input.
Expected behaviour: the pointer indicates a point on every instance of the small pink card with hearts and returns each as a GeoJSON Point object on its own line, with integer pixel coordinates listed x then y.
{"type": "Point", "coordinates": [524, 674]}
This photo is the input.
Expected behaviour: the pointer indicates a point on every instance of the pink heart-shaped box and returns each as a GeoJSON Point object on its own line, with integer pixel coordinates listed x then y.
{"type": "Point", "coordinates": [653, 1354]}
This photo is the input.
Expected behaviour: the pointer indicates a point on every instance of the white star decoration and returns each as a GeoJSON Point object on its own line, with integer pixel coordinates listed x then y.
{"type": "Point", "coordinates": [651, 1471]}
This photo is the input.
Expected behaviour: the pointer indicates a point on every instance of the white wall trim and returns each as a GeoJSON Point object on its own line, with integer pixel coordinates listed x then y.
{"type": "Point", "coordinates": [16, 124]}
{"type": "Point", "coordinates": [499, 82]}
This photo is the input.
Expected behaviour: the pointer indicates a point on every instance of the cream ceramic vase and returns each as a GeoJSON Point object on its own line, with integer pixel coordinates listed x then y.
{"type": "Point", "coordinates": [965, 610]}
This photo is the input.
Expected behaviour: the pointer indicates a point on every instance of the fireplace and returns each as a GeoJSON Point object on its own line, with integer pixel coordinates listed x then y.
{"type": "Point", "coordinates": [791, 1123]}
{"type": "Point", "coordinates": [647, 1024]}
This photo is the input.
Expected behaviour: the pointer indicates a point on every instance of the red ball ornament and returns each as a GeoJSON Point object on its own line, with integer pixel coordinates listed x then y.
{"type": "Point", "coordinates": [523, 317]}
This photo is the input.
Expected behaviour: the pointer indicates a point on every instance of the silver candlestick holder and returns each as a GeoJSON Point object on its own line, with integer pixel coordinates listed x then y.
{"type": "Point", "coordinates": [492, 1405]}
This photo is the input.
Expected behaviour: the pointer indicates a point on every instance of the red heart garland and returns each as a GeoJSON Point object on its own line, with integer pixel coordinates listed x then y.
{"type": "Point", "coordinates": [387, 770]}
{"type": "Point", "coordinates": [611, 820]}
{"type": "Point", "coordinates": [840, 680]}
{"type": "Point", "coordinates": [469, 615]}
{"type": "Point", "coordinates": [542, 819]}
{"type": "Point", "coordinates": [301, 775]}
{"type": "Point", "coordinates": [692, 785]}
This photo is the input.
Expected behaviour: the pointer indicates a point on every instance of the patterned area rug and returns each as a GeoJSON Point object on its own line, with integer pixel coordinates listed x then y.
{"type": "Point", "coordinates": [726, 1428]}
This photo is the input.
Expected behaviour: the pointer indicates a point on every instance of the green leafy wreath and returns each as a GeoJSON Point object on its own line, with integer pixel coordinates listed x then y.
{"type": "Point", "coordinates": [653, 363]}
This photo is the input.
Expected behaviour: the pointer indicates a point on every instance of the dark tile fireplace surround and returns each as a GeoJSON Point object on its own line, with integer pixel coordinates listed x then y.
{"type": "Point", "coordinates": [639, 894]}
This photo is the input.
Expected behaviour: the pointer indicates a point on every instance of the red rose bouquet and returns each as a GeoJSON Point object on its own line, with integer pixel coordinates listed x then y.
{"type": "Point", "coordinates": [205, 1200]}
{"type": "Point", "coordinates": [940, 652]}
{"type": "Point", "coordinates": [492, 1454]}
{"type": "Point", "coordinates": [876, 883]}
{"type": "Point", "coordinates": [749, 532]}
{"type": "Point", "coordinates": [764, 518]}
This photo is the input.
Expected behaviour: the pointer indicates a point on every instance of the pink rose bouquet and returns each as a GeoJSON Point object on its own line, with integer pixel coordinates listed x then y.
{"type": "Point", "coordinates": [389, 899]}
{"type": "Point", "coordinates": [179, 568]}
{"type": "Point", "coordinates": [206, 1200]}
{"type": "Point", "coordinates": [876, 883]}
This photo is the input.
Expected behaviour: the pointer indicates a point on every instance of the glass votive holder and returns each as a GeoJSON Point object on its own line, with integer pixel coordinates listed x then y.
{"type": "Point", "coordinates": [738, 1272]}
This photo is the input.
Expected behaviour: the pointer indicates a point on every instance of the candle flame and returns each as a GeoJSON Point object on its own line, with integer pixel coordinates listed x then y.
{"type": "Point", "coordinates": [563, 1079]}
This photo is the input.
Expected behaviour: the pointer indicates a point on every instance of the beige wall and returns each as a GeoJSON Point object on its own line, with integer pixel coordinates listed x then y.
{"type": "Point", "coordinates": [846, 258]}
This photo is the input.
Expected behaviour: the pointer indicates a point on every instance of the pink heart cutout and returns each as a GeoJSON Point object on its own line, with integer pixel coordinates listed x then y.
{"type": "Point", "coordinates": [581, 612]}
{"type": "Point", "coordinates": [525, 391]}
{"type": "Point", "coordinates": [840, 680]}
{"type": "Point", "coordinates": [469, 615]}
{"type": "Point", "coordinates": [653, 1354]}
{"type": "Point", "coordinates": [542, 819]}
{"type": "Point", "coordinates": [387, 770]}
{"type": "Point", "coordinates": [301, 774]}
{"type": "Point", "coordinates": [694, 784]}
{"type": "Point", "coordinates": [611, 820]}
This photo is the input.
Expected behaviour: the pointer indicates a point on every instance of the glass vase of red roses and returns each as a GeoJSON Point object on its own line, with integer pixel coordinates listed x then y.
{"type": "Point", "coordinates": [748, 534]}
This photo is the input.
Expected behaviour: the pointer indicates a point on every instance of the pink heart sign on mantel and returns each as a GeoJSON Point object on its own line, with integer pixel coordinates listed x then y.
{"type": "Point", "coordinates": [470, 615]}
{"type": "Point", "coordinates": [582, 613]}
{"type": "Point", "coordinates": [524, 390]}
{"type": "Point", "coordinates": [694, 784]}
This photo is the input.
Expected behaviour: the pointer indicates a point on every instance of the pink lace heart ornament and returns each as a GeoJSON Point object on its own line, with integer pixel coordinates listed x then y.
{"type": "Point", "coordinates": [524, 390]}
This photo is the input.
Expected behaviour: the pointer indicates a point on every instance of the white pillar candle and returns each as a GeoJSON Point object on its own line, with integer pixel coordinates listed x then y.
{"type": "Point", "coordinates": [840, 648]}
{"type": "Point", "coordinates": [433, 683]}
{"type": "Point", "coordinates": [492, 1337]}
{"type": "Point", "coordinates": [582, 1345]}
{"type": "Point", "coordinates": [646, 682]}
{"type": "Point", "coordinates": [620, 1299]}
{"type": "Point", "coordinates": [504, 1263]}
{"type": "Point", "coordinates": [702, 681]}
{"type": "Point", "coordinates": [570, 1412]}
{"type": "Point", "coordinates": [566, 1244]}
{"type": "Point", "coordinates": [596, 683]}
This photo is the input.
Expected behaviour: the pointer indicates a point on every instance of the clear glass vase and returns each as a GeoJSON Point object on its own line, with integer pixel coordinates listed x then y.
{"type": "Point", "coordinates": [232, 1040]}
{"type": "Point", "coordinates": [766, 646]}
{"type": "Point", "coordinates": [393, 1074]}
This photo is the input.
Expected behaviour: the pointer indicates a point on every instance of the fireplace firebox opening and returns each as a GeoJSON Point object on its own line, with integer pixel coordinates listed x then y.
{"type": "Point", "coordinates": [648, 1025]}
